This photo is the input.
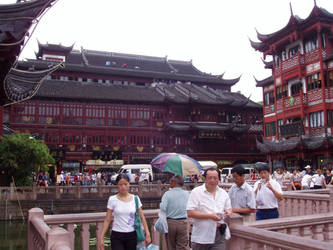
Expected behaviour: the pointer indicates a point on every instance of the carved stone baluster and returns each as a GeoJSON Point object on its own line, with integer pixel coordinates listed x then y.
{"type": "Point", "coordinates": [99, 227]}
{"type": "Point", "coordinates": [301, 231]}
{"type": "Point", "coordinates": [85, 236]}
{"type": "Point", "coordinates": [326, 232]}
{"type": "Point", "coordinates": [309, 207]}
{"type": "Point", "coordinates": [155, 235]}
{"type": "Point", "coordinates": [295, 207]}
{"type": "Point", "coordinates": [307, 232]}
{"type": "Point", "coordinates": [315, 229]}
{"type": "Point", "coordinates": [70, 229]}
{"type": "Point", "coordinates": [289, 207]}
{"type": "Point", "coordinates": [294, 231]}
{"type": "Point", "coordinates": [282, 208]}
{"type": "Point", "coordinates": [259, 246]}
{"type": "Point", "coordinates": [302, 208]}
{"type": "Point", "coordinates": [330, 231]}
{"type": "Point", "coordinates": [164, 242]}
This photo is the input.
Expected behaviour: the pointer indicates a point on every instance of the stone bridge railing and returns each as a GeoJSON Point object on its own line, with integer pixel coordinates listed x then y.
{"type": "Point", "coordinates": [302, 232]}
{"type": "Point", "coordinates": [40, 226]}
{"type": "Point", "coordinates": [258, 235]}
{"type": "Point", "coordinates": [312, 230]}
{"type": "Point", "coordinates": [86, 192]}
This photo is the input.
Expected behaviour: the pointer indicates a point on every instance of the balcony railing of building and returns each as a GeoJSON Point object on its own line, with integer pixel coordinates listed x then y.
{"type": "Point", "coordinates": [312, 231]}
{"type": "Point", "coordinates": [300, 59]}
{"type": "Point", "coordinates": [295, 102]}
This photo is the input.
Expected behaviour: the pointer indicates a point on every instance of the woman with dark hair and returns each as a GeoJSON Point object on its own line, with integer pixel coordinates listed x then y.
{"type": "Point", "coordinates": [122, 206]}
{"type": "Point", "coordinates": [296, 179]}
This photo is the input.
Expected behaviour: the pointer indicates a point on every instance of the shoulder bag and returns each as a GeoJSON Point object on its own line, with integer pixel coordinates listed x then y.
{"type": "Point", "coordinates": [140, 235]}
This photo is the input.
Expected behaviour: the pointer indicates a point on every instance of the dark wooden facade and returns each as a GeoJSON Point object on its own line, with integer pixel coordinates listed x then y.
{"type": "Point", "coordinates": [103, 105]}
{"type": "Point", "coordinates": [298, 97]}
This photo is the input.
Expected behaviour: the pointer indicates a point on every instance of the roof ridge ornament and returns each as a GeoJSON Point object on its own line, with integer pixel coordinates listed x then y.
{"type": "Point", "coordinates": [291, 9]}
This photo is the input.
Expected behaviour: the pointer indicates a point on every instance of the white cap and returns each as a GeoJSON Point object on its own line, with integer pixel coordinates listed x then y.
{"type": "Point", "coordinates": [308, 166]}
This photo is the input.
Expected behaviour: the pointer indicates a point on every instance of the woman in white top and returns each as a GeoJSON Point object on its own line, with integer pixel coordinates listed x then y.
{"type": "Point", "coordinates": [122, 207]}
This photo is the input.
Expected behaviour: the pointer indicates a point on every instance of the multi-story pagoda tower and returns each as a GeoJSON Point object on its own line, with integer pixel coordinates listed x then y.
{"type": "Point", "coordinates": [298, 97]}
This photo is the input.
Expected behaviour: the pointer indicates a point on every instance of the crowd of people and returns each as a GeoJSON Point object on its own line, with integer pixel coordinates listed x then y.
{"type": "Point", "coordinates": [306, 179]}
{"type": "Point", "coordinates": [208, 205]}
{"type": "Point", "coordinates": [71, 178]}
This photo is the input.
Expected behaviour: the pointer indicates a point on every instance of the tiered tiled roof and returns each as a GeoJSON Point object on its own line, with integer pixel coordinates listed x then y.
{"type": "Point", "coordinates": [159, 92]}
{"type": "Point", "coordinates": [310, 143]}
{"type": "Point", "coordinates": [64, 50]}
{"type": "Point", "coordinates": [295, 23]}
{"type": "Point", "coordinates": [266, 81]}
{"type": "Point", "coordinates": [120, 64]}
{"type": "Point", "coordinates": [15, 22]}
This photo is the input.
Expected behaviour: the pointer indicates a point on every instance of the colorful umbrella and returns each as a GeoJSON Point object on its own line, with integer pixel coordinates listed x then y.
{"type": "Point", "coordinates": [177, 164]}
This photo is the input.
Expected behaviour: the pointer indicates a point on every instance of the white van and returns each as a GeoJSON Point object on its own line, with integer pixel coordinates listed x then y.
{"type": "Point", "coordinates": [226, 175]}
{"type": "Point", "coordinates": [144, 170]}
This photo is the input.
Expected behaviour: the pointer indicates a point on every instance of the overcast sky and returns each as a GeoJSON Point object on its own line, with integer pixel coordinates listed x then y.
{"type": "Point", "coordinates": [214, 34]}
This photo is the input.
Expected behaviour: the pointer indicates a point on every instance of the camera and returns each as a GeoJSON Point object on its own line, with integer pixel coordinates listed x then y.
{"type": "Point", "coordinates": [222, 228]}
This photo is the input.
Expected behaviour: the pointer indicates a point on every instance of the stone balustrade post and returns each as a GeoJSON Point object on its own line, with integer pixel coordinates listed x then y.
{"type": "Point", "coordinates": [235, 219]}
{"type": "Point", "coordinates": [140, 189]}
{"type": "Point", "coordinates": [159, 189]}
{"type": "Point", "coordinates": [58, 239]}
{"type": "Point", "coordinates": [78, 192]}
{"type": "Point", "coordinates": [330, 188]}
{"type": "Point", "coordinates": [99, 189]}
{"type": "Point", "coordinates": [12, 192]}
{"type": "Point", "coordinates": [34, 192]}
{"type": "Point", "coordinates": [33, 213]}
{"type": "Point", "coordinates": [57, 191]}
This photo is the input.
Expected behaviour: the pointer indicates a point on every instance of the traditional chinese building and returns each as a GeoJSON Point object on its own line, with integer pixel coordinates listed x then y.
{"type": "Point", "coordinates": [15, 22]}
{"type": "Point", "coordinates": [107, 106]}
{"type": "Point", "coordinates": [298, 97]}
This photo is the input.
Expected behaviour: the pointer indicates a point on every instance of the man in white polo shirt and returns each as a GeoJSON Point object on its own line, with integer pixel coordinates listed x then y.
{"type": "Point", "coordinates": [206, 205]}
{"type": "Point", "coordinates": [268, 192]}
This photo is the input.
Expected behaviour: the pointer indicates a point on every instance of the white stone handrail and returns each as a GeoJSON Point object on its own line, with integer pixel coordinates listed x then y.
{"type": "Point", "coordinates": [256, 235]}
{"type": "Point", "coordinates": [245, 237]}
{"type": "Point", "coordinates": [42, 237]}
{"type": "Point", "coordinates": [36, 216]}
{"type": "Point", "coordinates": [296, 203]}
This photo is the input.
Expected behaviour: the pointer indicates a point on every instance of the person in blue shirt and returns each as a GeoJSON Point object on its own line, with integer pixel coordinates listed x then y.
{"type": "Point", "coordinates": [174, 204]}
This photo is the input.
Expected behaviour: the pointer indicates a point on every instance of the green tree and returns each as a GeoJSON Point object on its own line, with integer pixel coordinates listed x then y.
{"type": "Point", "coordinates": [21, 156]}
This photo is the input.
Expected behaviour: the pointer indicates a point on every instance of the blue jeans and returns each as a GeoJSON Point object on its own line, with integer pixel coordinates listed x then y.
{"type": "Point", "coordinates": [264, 214]}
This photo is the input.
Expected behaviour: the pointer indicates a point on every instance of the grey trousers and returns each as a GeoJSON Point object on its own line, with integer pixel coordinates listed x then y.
{"type": "Point", "coordinates": [177, 235]}
{"type": "Point", "coordinates": [218, 245]}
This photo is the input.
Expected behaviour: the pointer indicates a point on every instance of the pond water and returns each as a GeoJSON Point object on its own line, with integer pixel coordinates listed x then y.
{"type": "Point", "coordinates": [13, 236]}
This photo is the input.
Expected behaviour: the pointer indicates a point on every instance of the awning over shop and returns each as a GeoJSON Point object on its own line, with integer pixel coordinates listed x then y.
{"type": "Point", "coordinates": [104, 164]}
{"type": "Point", "coordinates": [208, 164]}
